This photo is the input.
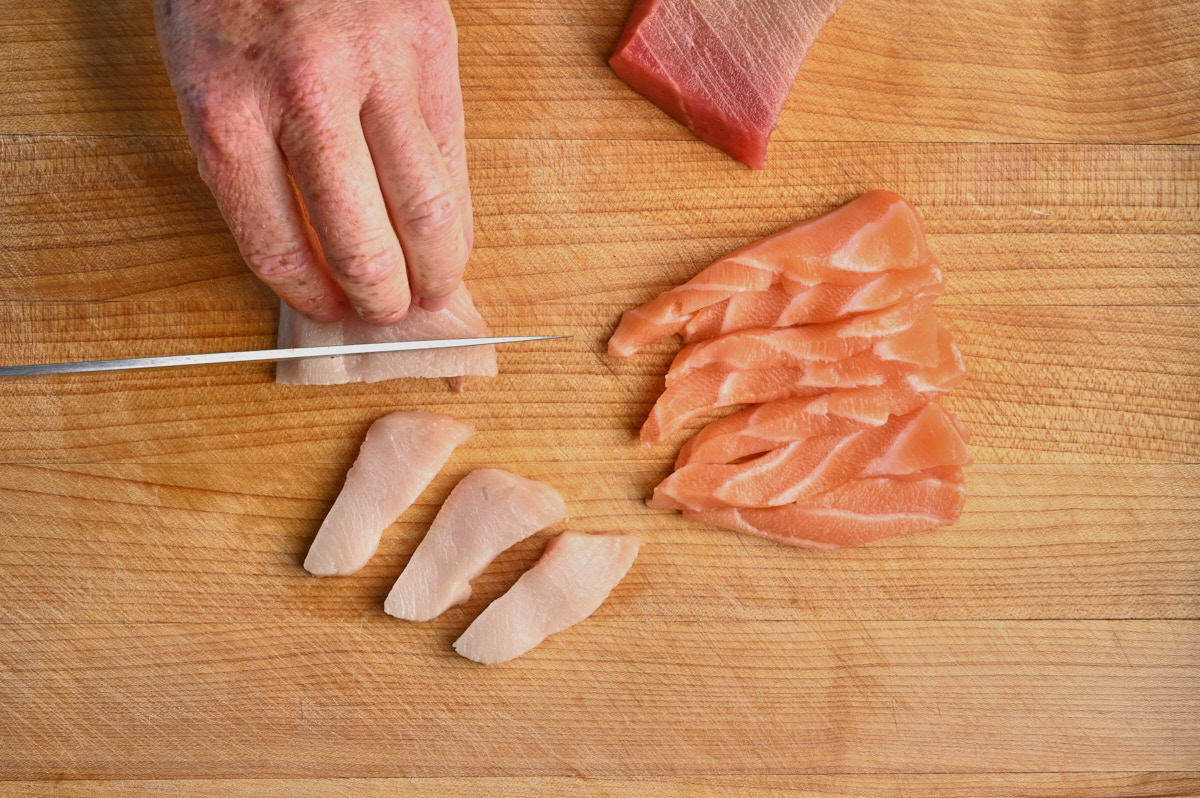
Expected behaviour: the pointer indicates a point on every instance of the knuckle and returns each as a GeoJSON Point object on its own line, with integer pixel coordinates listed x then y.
{"type": "Point", "coordinates": [443, 285]}
{"type": "Point", "coordinates": [280, 267]}
{"type": "Point", "coordinates": [304, 92]}
{"type": "Point", "coordinates": [366, 265]}
{"type": "Point", "coordinates": [435, 28]}
{"type": "Point", "coordinates": [385, 316]}
{"type": "Point", "coordinates": [431, 215]}
{"type": "Point", "coordinates": [219, 124]}
{"type": "Point", "coordinates": [454, 151]}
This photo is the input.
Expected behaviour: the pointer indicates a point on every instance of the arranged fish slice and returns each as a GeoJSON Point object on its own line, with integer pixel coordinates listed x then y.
{"type": "Point", "coordinates": [803, 469]}
{"type": "Point", "coordinates": [851, 246]}
{"type": "Point", "coordinates": [488, 511]}
{"type": "Point", "coordinates": [771, 425]}
{"type": "Point", "coordinates": [723, 69]}
{"type": "Point", "coordinates": [573, 577]}
{"type": "Point", "coordinates": [873, 404]}
{"type": "Point", "coordinates": [762, 428]}
{"type": "Point", "coordinates": [712, 387]}
{"type": "Point", "coordinates": [667, 313]}
{"type": "Point", "coordinates": [459, 320]}
{"type": "Point", "coordinates": [769, 347]}
{"type": "Point", "coordinates": [858, 512]}
{"type": "Point", "coordinates": [935, 438]}
{"type": "Point", "coordinates": [821, 303]}
{"type": "Point", "coordinates": [401, 454]}
{"type": "Point", "coordinates": [884, 362]}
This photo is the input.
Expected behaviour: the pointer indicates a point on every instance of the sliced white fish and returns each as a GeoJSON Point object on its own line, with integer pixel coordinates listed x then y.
{"type": "Point", "coordinates": [486, 513]}
{"type": "Point", "coordinates": [402, 453]}
{"type": "Point", "coordinates": [459, 320]}
{"type": "Point", "coordinates": [574, 575]}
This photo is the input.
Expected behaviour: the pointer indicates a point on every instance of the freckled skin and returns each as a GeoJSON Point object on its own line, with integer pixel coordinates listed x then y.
{"type": "Point", "coordinates": [331, 135]}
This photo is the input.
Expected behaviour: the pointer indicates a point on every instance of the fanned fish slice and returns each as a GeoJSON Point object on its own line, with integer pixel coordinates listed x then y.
{"type": "Point", "coordinates": [851, 246]}
{"type": "Point", "coordinates": [806, 468]}
{"type": "Point", "coordinates": [858, 512]}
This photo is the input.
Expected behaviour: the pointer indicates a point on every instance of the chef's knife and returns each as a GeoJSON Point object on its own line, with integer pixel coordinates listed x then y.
{"type": "Point", "coordinates": [260, 355]}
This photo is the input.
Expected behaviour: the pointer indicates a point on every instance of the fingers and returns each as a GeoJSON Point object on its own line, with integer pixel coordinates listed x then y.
{"type": "Point", "coordinates": [245, 171]}
{"type": "Point", "coordinates": [440, 99]}
{"type": "Point", "coordinates": [333, 169]}
{"type": "Point", "coordinates": [421, 197]}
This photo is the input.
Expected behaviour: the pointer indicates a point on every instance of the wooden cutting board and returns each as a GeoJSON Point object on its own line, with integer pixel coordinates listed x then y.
{"type": "Point", "coordinates": [156, 624]}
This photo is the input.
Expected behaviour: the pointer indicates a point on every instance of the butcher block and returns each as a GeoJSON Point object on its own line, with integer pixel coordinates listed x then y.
{"type": "Point", "coordinates": [158, 635]}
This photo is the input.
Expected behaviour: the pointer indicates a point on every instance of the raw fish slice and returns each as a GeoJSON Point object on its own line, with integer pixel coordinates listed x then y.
{"type": "Point", "coordinates": [717, 385]}
{"type": "Point", "coordinates": [940, 440]}
{"type": "Point", "coordinates": [296, 331]}
{"type": "Point", "coordinates": [720, 385]}
{"type": "Point", "coordinates": [873, 404]}
{"type": "Point", "coordinates": [769, 347]}
{"type": "Point", "coordinates": [849, 246]}
{"type": "Point", "coordinates": [764, 348]}
{"type": "Point", "coordinates": [858, 512]}
{"type": "Point", "coordinates": [762, 428]}
{"type": "Point", "coordinates": [769, 426]}
{"type": "Point", "coordinates": [574, 575]}
{"type": "Point", "coordinates": [723, 69]}
{"type": "Point", "coordinates": [401, 454]}
{"type": "Point", "coordinates": [459, 320]}
{"type": "Point", "coordinates": [887, 358]}
{"type": "Point", "coordinates": [488, 511]}
{"type": "Point", "coordinates": [667, 313]}
{"type": "Point", "coordinates": [805, 468]}
{"type": "Point", "coordinates": [773, 307]}
{"type": "Point", "coordinates": [821, 303]}
{"type": "Point", "coordinates": [713, 387]}
{"type": "Point", "coordinates": [760, 482]}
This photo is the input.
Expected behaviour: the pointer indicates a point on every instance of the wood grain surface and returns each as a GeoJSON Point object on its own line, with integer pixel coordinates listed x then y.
{"type": "Point", "coordinates": [159, 637]}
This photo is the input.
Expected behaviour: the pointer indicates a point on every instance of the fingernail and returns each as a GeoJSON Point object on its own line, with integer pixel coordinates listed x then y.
{"type": "Point", "coordinates": [434, 305]}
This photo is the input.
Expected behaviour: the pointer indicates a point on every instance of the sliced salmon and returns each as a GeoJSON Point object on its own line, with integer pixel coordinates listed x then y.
{"type": "Point", "coordinates": [805, 468]}
{"type": "Point", "coordinates": [712, 387]}
{"type": "Point", "coordinates": [850, 246]}
{"type": "Point", "coordinates": [762, 428]}
{"type": "Point", "coordinates": [774, 424]}
{"type": "Point", "coordinates": [857, 512]}
{"type": "Point", "coordinates": [821, 303]}
{"type": "Point", "coordinates": [729, 382]}
{"type": "Point", "coordinates": [768, 347]}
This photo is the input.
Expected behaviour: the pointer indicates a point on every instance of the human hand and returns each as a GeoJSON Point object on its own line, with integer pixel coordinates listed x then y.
{"type": "Point", "coordinates": [348, 114]}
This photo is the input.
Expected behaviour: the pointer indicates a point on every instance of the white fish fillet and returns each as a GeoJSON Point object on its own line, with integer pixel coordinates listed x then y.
{"type": "Point", "coordinates": [487, 512]}
{"type": "Point", "coordinates": [459, 320]}
{"type": "Point", "coordinates": [402, 453]}
{"type": "Point", "coordinates": [574, 575]}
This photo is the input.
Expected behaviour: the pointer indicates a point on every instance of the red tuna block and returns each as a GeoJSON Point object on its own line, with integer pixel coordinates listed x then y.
{"type": "Point", "coordinates": [722, 67]}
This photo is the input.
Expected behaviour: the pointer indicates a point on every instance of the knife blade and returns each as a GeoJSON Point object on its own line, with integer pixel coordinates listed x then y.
{"type": "Point", "coordinates": [257, 355]}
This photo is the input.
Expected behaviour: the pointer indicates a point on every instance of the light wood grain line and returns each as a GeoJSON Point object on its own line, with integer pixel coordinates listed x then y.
{"type": "Point", "coordinates": [880, 785]}
{"type": "Point", "coordinates": [154, 543]}
{"type": "Point", "coordinates": [369, 700]}
{"type": "Point", "coordinates": [1011, 70]}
